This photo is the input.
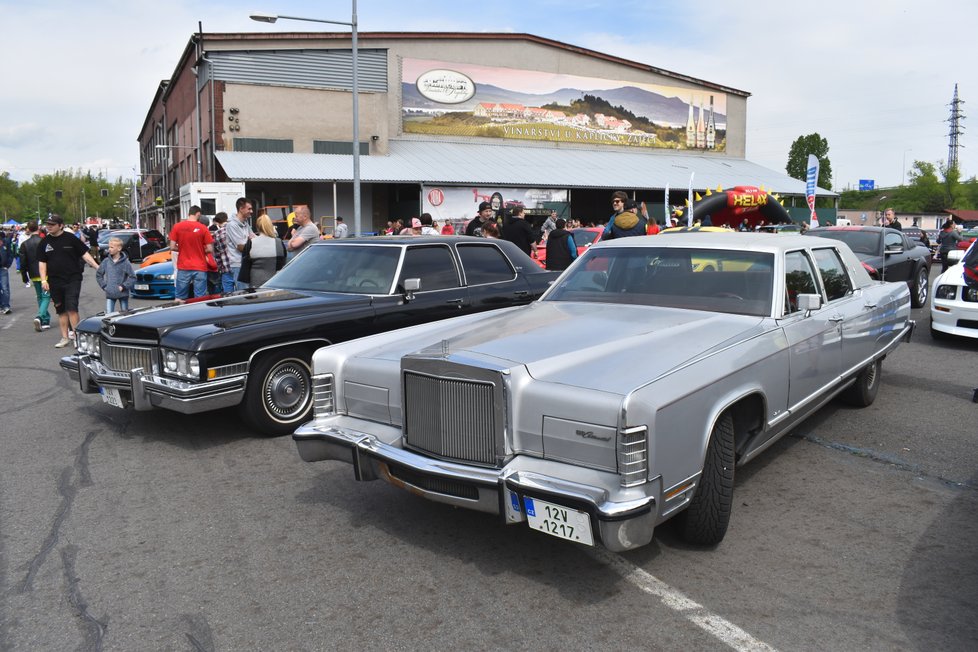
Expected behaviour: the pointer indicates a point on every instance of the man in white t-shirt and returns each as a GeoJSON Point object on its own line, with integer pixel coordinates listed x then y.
{"type": "Point", "coordinates": [342, 230]}
{"type": "Point", "coordinates": [305, 231]}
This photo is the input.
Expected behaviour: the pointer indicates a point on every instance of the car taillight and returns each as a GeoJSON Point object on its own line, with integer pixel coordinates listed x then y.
{"type": "Point", "coordinates": [872, 272]}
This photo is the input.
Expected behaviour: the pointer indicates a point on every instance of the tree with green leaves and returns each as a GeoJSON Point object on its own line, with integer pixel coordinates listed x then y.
{"type": "Point", "coordinates": [797, 167]}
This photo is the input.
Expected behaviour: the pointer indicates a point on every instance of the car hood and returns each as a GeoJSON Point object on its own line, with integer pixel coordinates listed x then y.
{"type": "Point", "coordinates": [595, 346]}
{"type": "Point", "coordinates": [247, 307]}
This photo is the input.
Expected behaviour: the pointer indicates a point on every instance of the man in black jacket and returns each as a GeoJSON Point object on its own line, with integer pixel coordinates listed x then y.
{"type": "Point", "coordinates": [561, 249]}
{"type": "Point", "coordinates": [520, 233]}
{"type": "Point", "coordinates": [30, 273]}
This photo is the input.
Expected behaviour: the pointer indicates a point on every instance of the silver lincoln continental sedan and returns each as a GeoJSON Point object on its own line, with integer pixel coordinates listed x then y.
{"type": "Point", "coordinates": [625, 396]}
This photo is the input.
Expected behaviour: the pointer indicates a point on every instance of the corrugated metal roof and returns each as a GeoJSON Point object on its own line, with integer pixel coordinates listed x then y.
{"type": "Point", "coordinates": [450, 163]}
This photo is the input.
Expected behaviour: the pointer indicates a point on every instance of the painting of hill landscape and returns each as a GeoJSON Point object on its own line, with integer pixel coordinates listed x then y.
{"type": "Point", "coordinates": [451, 99]}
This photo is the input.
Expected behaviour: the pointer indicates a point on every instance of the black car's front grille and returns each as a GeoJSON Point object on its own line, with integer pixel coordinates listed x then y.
{"type": "Point", "coordinates": [127, 358]}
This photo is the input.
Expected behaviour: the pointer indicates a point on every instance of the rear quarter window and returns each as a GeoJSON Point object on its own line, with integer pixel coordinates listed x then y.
{"type": "Point", "coordinates": [483, 264]}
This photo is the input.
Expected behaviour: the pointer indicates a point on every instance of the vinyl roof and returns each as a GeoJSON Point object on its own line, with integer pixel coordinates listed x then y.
{"type": "Point", "coordinates": [449, 163]}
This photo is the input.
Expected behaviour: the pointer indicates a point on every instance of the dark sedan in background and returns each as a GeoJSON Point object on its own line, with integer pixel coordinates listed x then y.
{"type": "Point", "coordinates": [888, 254]}
{"type": "Point", "coordinates": [137, 243]}
{"type": "Point", "coordinates": [255, 347]}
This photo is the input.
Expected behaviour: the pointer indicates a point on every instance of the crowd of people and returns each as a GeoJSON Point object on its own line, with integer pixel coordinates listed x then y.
{"type": "Point", "coordinates": [228, 254]}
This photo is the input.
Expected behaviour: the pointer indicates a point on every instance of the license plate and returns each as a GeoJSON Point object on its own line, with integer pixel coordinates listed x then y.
{"type": "Point", "coordinates": [112, 397]}
{"type": "Point", "coordinates": [559, 521]}
{"type": "Point", "coordinates": [141, 286]}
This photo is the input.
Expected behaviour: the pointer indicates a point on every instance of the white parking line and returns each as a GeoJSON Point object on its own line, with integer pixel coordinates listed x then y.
{"type": "Point", "coordinates": [731, 635]}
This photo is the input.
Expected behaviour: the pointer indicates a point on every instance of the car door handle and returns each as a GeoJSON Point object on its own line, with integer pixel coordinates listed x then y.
{"type": "Point", "coordinates": [869, 306]}
{"type": "Point", "coordinates": [837, 318]}
{"type": "Point", "coordinates": [521, 293]}
{"type": "Point", "coordinates": [454, 302]}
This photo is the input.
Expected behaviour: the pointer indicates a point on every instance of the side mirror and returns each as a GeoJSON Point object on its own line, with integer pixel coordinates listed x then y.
{"type": "Point", "coordinates": [411, 285]}
{"type": "Point", "coordinates": [894, 249]}
{"type": "Point", "coordinates": [809, 302]}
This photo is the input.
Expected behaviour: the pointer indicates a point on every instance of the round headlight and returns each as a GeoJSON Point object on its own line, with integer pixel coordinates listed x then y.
{"type": "Point", "coordinates": [193, 365]}
{"type": "Point", "coordinates": [170, 361]}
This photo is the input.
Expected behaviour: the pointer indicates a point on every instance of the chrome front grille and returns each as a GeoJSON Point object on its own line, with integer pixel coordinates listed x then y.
{"type": "Point", "coordinates": [451, 418]}
{"type": "Point", "coordinates": [125, 358]}
{"type": "Point", "coordinates": [322, 395]}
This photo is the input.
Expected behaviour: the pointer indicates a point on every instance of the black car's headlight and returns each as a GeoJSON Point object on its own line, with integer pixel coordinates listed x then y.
{"type": "Point", "coordinates": [946, 291]}
{"type": "Point", "coordinates": [181, 363]}
{"type": "Point", "coordinates": [88, 343]}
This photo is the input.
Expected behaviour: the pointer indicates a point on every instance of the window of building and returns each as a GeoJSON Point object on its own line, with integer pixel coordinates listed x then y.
{"type": "Point", "coordinates": [338, 147]}
{"type": "Point", "coordinates": [281, 145]}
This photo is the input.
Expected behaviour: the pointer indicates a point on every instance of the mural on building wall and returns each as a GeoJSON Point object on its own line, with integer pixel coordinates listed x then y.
{"type": "Point", "coordinates": [454, 99]}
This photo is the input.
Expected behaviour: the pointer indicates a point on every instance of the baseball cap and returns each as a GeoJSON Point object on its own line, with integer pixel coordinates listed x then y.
{"type": "Point", "coordinates": [54, 219]}
{"type": "Point", "coordinates": [484, 205]}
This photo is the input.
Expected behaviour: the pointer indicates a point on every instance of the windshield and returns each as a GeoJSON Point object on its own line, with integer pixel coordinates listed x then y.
{"type": "Point", "coordinates": [354, 269]}
{"type": "Point", "coordinates": [719, 280]}
{"type": "Point", "coordinates": [861, 242]}
{"type": "Point", "coordinates": [584, 237]}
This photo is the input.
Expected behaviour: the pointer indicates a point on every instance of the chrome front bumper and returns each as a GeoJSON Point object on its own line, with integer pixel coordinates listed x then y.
{"type": "Point", "coordinates": [146, 391]}
{"type": "Point", "coordinates": [622, 518]}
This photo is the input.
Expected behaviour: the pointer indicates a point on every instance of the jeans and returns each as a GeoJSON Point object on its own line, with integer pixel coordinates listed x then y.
{"type": "Point", "coordinates": [43, 302]}
{"type": "Point", "coordinates": [184, 279]}
{"type": "Point", "coordinates": [228, 283]}
{"type": "Point", "coordinates": [234, 276]}
{"type": "Point", "coordinates": [110, 304]}
{"type": "Point", "coordinates": [4, 288]}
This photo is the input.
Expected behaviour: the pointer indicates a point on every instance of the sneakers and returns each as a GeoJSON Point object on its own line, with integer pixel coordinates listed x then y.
{"type": "Point", "coordinates": [62, 343]}
{"type": "Point", "coordinates": [37, 324]}
{"type": "Point", "coordinates": [6, 311]}
{"type": "Point", "coordinates": [45, 327]}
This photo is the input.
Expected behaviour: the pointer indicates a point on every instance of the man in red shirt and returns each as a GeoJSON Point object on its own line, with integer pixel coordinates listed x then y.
{"type": "Point", "coordinates": [191, 242]}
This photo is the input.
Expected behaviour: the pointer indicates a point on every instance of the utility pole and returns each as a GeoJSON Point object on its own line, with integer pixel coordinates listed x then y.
{"type": "Point", "coordinates": [957, 115]}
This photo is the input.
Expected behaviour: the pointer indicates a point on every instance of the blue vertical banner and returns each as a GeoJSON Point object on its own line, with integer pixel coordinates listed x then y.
{"type": "Point", "coordinates": [811, 183]}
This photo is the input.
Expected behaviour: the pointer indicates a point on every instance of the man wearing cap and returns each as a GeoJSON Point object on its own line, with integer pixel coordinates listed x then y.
{"type": "Point", "coordinates": [485, 214]}
{"type": "Point", "coordinates": [61, 275]}
{"type": "Point", "coordinates": [626, 221]}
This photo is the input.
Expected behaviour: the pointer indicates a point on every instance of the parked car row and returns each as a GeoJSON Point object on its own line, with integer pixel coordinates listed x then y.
{"type": "Point", "coordinates": [709, 347]}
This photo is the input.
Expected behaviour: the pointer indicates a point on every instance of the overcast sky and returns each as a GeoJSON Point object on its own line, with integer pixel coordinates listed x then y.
{"type": "Point", "coordinates": [874, 77]}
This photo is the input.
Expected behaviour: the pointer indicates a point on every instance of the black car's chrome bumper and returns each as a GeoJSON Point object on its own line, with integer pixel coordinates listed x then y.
{"type": "Point", "coordinates": [146, 391]}
{"type": "Point", "coordinates": [624, 519]}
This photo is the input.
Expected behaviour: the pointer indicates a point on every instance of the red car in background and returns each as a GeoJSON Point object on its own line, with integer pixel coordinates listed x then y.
{"type": "Point", "coordinates": [584, 237]}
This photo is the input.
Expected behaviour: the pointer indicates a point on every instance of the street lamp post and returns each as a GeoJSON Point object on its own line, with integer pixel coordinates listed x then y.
{"type": "Point", "coordinates": [903, 179]}
{"type": "Point", "coordinates": [268, 18]}
{"type": "Point", "coordinates": [879, 217]}
{"type": "Point", "coordinates": [180, 147]}
{"type": "Point", "coordinates": [38, 198]}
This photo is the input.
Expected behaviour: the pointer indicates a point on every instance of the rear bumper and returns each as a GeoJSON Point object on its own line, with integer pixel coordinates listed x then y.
{"type": "Point", "coordinates": [622, 518]}
{"type": "Point", "coordinates": [145, 391]}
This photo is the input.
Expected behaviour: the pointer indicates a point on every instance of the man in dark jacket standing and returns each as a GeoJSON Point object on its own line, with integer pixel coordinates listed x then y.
{"type": "Point", "coordinates": [561, 248]}
{"type": "Point", "coordinates": [520, 233]}
{"type": "Point", "coordinates": [30, 273]}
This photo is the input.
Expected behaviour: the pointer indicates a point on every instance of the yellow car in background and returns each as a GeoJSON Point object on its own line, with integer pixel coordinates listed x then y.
{"type": "Point", "coordinates": [710, 264]}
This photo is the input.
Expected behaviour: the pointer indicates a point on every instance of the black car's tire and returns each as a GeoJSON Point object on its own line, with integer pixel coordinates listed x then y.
{"type": "Point", "coordinates": [863, 392]}
{"type": "Point", "coordinates": [706, 519]}
{"type": "Point", "coordinates": [920, 287]}
{"type": "Point", "coordinates": [279, 394]}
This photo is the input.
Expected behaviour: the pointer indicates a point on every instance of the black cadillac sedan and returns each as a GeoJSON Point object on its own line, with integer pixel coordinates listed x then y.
{"type": "Point", "coordinates": [888, 254]}
{"type": "Point", "coordinates": [253, 348]}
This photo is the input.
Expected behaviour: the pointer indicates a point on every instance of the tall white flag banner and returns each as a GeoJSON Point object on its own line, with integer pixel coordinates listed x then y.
{"type": "Point", "coordinates": [811, 183]}
{"type": "Point", "coordinates": [668, 221]}
{"type": "Point", "coordinates": [689, 213]}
